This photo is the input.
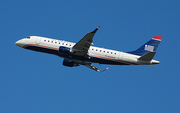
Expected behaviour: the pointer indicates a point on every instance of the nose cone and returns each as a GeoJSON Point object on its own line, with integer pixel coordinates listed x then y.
{"type": "Point", "coordinates": [18, 43]}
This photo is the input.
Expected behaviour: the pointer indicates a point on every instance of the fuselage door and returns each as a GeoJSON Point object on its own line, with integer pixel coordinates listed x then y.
{"type": "Point", "coordinates": [38, 40]}
{"type": "Point", "coordinates": [120, 55]}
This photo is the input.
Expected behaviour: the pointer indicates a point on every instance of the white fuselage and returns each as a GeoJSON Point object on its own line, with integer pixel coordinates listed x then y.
{"type": "Point", "coordinates": [95, 54]}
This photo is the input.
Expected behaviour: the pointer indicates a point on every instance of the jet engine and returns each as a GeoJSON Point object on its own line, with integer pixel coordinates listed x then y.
{"type": "Point", "coordinates": [64, 50]}
{"type": "Point", "coordinates": [69, 63]}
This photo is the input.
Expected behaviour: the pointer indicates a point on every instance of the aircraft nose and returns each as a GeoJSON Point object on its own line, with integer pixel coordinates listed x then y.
{"type": "Point", "coordinates": [18, 43]}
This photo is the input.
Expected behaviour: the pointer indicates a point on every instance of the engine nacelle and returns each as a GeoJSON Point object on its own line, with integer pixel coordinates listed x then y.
{"type": "Point", "coordinates": [64, 50]}
{"type": "Point", "coordinates": [69, 63]}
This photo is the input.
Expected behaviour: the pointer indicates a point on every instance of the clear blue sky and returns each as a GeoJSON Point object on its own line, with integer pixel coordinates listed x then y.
{"type": "Point", "coordinates": [33, 82]}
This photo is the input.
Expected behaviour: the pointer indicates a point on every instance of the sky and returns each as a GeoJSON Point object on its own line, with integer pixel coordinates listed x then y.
{"type": "Point", "coordinates": [33, 82]}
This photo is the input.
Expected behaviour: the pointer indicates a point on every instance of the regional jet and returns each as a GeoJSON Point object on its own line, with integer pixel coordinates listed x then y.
{"type": "Point", "coordinates": [83, 53]}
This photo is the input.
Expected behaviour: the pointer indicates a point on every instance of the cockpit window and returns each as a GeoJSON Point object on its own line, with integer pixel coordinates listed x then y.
{"type": "Point", "coordinates": [28, 37]}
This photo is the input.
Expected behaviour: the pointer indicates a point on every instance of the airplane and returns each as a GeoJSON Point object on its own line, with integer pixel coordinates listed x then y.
{"type": "Point", "coordinates": [83, 53]}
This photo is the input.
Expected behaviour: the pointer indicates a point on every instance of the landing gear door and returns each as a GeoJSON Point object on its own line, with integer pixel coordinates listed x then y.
{"type": "Point", "coordinates": [38, 40]}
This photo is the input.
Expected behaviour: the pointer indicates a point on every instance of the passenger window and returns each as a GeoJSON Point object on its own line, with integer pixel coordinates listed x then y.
{"type": "Point", "coordinates": [96, 50]}
{"type": "Point", "coordinates": [100, 50]}
{"type": "Point", "coordinates": [28, 37]}
{"type": "Point", "coordinates": [44, 40]}
{"type": "Point", "coordinates": [107, 51]}
{"type": "Point", "coordinates": [59, 42]}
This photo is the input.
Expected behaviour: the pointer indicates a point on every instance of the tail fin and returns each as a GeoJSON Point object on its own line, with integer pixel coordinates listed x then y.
{"type": "Point", "coordinates": [149, 46]}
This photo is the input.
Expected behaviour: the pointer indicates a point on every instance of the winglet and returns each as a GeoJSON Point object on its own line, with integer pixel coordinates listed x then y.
{"type": "Point", "coordinates": [95, 29]}
{"type": "Point", "coordinates": [105, 69]}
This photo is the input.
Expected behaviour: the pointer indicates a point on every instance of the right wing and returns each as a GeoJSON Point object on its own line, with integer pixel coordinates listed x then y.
{"type": "Point", "coordinates": [89, 65]}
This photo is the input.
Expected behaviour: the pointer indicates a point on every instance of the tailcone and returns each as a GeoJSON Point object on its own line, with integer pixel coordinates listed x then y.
{"type": "Point", "coordinates": [155, 62]}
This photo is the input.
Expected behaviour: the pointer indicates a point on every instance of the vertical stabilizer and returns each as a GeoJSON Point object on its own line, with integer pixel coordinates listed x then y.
{"type": "Point", "coordinates": [149, 46]}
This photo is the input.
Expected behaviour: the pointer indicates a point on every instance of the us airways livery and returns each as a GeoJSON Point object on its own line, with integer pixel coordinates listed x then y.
{"type": "Point", "coordinates": [82, 53]}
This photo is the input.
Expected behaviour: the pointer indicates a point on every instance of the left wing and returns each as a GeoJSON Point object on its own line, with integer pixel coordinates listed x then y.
{"type": "Point", "coordinates": [83, 45]}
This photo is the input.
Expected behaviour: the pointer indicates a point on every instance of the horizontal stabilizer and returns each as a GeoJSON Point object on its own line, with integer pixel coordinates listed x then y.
{"type": "Point", "coordinates": [148, 56]}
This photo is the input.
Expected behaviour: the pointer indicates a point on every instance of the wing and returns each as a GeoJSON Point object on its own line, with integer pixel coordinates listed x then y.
{"type": "Point", "coordinates": [89, 65]}
{"type": "Point", "coordinates": [83, 45]}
